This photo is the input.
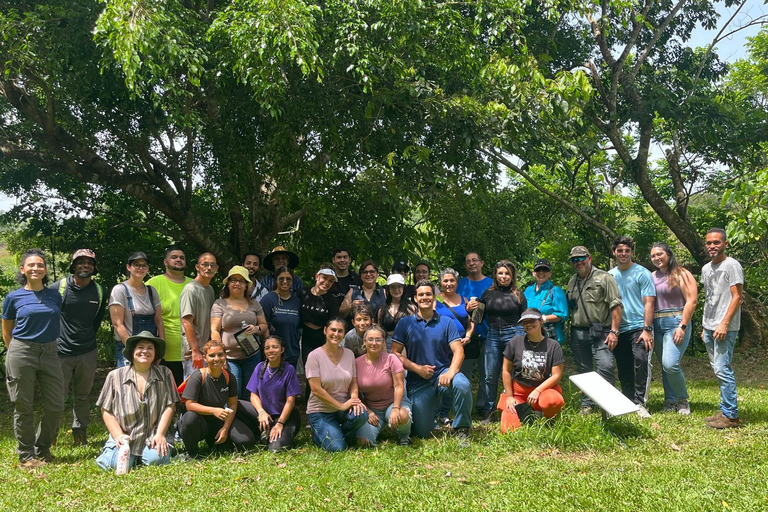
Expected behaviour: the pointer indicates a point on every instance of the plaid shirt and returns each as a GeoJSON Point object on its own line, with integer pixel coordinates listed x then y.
{"type": "Point", "coordinates": [138, 418]}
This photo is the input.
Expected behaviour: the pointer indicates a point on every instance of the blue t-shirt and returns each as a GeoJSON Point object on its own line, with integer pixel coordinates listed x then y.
{"type": "Point", "coordinates": [556, 303]}
{"type": "Point", "coordinates": [37, 314]}
{"type": "Point", "coordinates": [427, 343]}
{"type": "Point", "coordinates": [468, 289]}
{"type": "Point", "coordinates": [634, 283]}
{"type": "Point", "coordinates": [451, 313]}
{"type": "Point", "coordinates": [283, 316]}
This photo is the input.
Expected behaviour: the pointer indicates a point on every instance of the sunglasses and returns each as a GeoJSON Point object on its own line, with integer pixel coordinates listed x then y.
{"type": "Point", "coordinates": [578, 259]}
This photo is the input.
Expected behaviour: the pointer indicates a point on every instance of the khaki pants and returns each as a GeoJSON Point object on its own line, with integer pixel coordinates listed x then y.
{"type": "Point", "coordinates": [26, 363]}
{"type": "Point", "coordinates": [79, 371]}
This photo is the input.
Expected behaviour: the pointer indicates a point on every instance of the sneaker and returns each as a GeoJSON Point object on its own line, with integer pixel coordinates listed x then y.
{"type": "Point", "coordinates": [716, 417]}
{"type": "Point", "coordinates": [724, 422]}
{"type": "Point", "coordinates": [404, 441]}
{"type": "Point", "coordinates": [444, 422]}
{"type": "Point", "coordinates": [669, 406]}
{"type": "Point", "coordinates": [586, 409]}
{"type": "Point", "coordinates": [32, 463]}
{"type": "Point", "coordinates": [683, 408]}
{"type": "Point", "coordinates": [463, 436]}
{"type": "Point", "coordinates": [642, 412]}
{"type": "Point", "coordinates": [79, 438]}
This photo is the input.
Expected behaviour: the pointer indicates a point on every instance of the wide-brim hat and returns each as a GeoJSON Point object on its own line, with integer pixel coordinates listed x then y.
{"type": "Point", "coordinates": [130, 345]}
{"type": "Point", "coordinates": [237, 270]}
{"type": "Point", "coordinates": [83, 253]}
{"type": "Point", "coordinates": [293, 258]}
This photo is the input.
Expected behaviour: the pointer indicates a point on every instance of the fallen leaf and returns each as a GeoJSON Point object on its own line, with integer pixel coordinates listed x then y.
{"type": "Point", "coordinates": [675, 447]}
{"type": "Point", "coordinates": [726, 506]}
{"type": "Point", "coordinates": [655, 425]}
{"type": "Point", "coordinates": [448, 474]}
{"type": "Point", "coordinates": [282, 465]}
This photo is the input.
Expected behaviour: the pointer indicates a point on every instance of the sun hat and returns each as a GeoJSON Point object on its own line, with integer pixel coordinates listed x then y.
{"type": "Point", "coordinates": [239, 271]}
{"type": "Point", "coordinates": [293, 258]}
{"type": "Point", "coordinates": [130, 345]}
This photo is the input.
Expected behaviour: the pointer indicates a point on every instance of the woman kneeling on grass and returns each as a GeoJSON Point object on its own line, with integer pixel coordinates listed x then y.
{"type": "Point", "coordinates": [533, 366]}
{"type": "Point", "coordinates": [210, 397]}
{"type": "Point", "coordinates": [380, 378]}
{"type": "Point", "coordinates": [334, 409]}
{"type": "Point", "coordinates": [274, 386]}
{"type": "Point", "coordinates": [137, 403]}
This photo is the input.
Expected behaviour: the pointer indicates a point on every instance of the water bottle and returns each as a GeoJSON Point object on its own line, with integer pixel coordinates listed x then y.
{"type": "Point", "coordinates": [123, 456]}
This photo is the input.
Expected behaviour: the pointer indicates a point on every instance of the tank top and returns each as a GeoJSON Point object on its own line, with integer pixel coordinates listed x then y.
{"type": "Point", "coordinates": [666, 296]}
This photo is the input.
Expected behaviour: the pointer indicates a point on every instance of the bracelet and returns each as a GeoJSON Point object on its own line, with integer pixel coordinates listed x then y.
{"type": "Point", "coordinates": [395, 408]}
{"type": "Point", "coordinates": [280, 423]}
{"type": "Point", "coordinates": [262, 411]}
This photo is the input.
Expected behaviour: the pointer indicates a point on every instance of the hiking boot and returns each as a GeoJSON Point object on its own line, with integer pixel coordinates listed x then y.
{"type": "Point", "coordinates": [715, 417]}
{"type": "Point", "coordinates": [683, 407]}
{"type": "Point", "coordinates": [79, 438]}
{"type": "Point", "coordinates": [404, 441]}
{"type": "Point", "coordinates": [463, 436]}
{"type": "Point", "coordinates": [724, 422]}
{"type": "Point", "coordinates": [669, 406]}
{"type": "Point", "coordinates": [32, 463]}
{"type": "Point", "coordinates": [642, 412]}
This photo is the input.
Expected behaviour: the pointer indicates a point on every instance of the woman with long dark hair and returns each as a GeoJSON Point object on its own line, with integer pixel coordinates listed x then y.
{"type": "Point", "coordinates": [274, 386]}
{"type": "Point", "coordinates": [282, 309]}
{"type": "Point", "coordinates": [31, 316]}
{"type": "Point", "coordinates": [676, 294]}
{"type": "Point", "coordinates": [503, 303]}
{"type": "Point", "coordinates": [369, 292]}
{"type": "Point", "coordinates": [317, 307]}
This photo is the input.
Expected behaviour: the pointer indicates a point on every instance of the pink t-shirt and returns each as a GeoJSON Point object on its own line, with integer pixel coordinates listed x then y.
{"type": "Point", "coordinates": [334, 378]}
{"type": "Point", "coordinates": [376, 380]}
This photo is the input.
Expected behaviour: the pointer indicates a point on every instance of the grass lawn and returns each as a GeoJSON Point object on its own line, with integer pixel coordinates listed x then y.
{"type": "Point", "coordinates": [667, 462]}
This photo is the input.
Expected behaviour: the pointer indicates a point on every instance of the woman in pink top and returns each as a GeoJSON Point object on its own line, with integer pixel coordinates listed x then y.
{"type": "Point", "coordinates": [334, 409]}
{"type": "Point", "coordinates": [676, 294]}
{"type": "Point", "coordinates": [380, 379]}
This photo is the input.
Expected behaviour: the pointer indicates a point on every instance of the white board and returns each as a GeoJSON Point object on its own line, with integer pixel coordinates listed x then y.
{"type": "Point", "coordinates": [606, 396]}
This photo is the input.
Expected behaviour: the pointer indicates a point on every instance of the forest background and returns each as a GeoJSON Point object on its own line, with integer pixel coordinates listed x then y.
{"type": "Point", "coordinates": [403, 130]}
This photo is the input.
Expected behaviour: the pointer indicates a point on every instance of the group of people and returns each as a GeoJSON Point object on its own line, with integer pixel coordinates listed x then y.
{"type": "Point", "coordinates": [230, 364]}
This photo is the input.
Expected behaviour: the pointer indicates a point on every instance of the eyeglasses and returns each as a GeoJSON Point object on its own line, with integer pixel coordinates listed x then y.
{"type": "Point", "coordinates": [284, 279]}
{"type": "Point", "coordinates": [474, 260]}
{"type": "Point", "coordinates": [578, 259]}
{"type": "Point", "coordinates": [237, 281]}
{"type": "Point", "coordinates": [208, 265]}
{"type": "Point", "coordinates": [374, 340]}
{"type": "Point", "coordinates": [140, 265]}
{"type": "Point", "coordinates": [370, 271]}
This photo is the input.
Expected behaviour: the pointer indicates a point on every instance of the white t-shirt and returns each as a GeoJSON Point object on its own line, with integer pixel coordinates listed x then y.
{"type": "Point", "coordinates": [718, 279]}
{"type": "Point", "coordinates": [141, 304]}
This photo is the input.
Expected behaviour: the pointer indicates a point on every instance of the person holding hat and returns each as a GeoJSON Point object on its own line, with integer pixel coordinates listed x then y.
{"type": "Point", "coordinates": [281, 257]}
{"type": "Point", "coordinates": [595, 306]}
{"type": "Point", "coordinates": [137, 404]}
{"type": "Point", "coordinates": [134, 306]}
{"type": "Point", "coordinates": [549, 299]}
{"type": "Point", "coordinates": [395, 308]}
{"type": "Point", "coordinates": [239, 322]}
{"type": "Point", "coordinates": [82, 310]}
{"type": "Point", "coordinates": [30, 327]}
{"type": "Point", "coordinates": [533, 367]}
{"type": "Point", "coordinates": [317, 307]}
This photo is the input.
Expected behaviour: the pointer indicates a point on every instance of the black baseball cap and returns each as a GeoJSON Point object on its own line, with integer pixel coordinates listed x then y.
{"type": "Point", "coordinates": [542, 263]}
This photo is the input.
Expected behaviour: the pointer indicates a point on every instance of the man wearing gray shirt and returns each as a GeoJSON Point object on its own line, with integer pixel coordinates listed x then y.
{"type": "Point", "coordinates": [723, 280]}
{"type": "Point", "coordinates": [195, 304]}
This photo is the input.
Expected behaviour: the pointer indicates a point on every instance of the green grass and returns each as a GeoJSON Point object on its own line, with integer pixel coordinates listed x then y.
{"type": "Point", "coordinates": [667, 462]}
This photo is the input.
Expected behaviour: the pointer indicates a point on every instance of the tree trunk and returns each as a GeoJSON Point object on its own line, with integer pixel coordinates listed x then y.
{"type": "Point", "coordinates": [754, 323]}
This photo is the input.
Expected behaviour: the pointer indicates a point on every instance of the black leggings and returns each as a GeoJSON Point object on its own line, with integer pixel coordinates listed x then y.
{"type": "Point", "coordinates": [247, 414]}
{"type": "Point", "coordinates": [195, 427]}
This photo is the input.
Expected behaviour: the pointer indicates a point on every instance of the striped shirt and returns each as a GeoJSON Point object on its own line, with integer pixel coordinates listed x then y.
{"type": "Point", "coordinates": [138, 418]}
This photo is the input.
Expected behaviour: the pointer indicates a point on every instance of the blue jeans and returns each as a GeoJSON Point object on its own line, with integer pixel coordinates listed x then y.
{"type": "Point", "coordinates": [371, 433]}
{"type": "Point", "coordinates": [495, 343]}
{"type": "Point", "coordinates": [107, 459]}
{"type": "Point", "coordinates": [585, 349]}
{"type": "Point", "coordinates": [120, 359]}
{"type": "Point", "coordinates": [334, 431]}
{"type": "Point", "coordinates": [721, 357]}
{"type": "Point", "coordinates": [242, 369]}
{"type": "Point", "coordinates": [670, 355]}
{"type": "Point", "coordinates": [468, 368]}
{"type": "Point", "coordinates": [424, 394]}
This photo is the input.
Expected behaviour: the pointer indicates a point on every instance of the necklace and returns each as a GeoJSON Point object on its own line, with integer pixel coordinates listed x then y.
{"type": "Point", "coordinates": [271, 373]}
{"type": "Point", "coordinates": [532, 343]}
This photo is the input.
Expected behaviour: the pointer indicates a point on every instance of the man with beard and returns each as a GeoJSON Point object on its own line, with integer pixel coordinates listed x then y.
{"type": "Point", "coordinates": [252, 263]}
{"type": "Point", "coordinates": [195, 304]}
{"type": "Point", "coordinates": [169, 287]}
{"type": "Point", "coordinates": [82, 309]}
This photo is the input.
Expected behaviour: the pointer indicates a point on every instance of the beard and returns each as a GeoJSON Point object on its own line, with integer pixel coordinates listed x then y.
{"type": "Point", "coordinates": [84, 274]}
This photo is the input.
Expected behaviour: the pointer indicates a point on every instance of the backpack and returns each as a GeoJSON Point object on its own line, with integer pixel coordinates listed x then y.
{"type": "Point", "coordinates": [204, 371]}
{"type": "Point", "coordinates": [63, 292]}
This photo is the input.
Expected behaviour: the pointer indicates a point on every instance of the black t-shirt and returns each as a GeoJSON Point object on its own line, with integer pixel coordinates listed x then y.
{"type": "Point", "coordinates": [533, 362]}
{"type": "Point", "coordinates": [211, 392]}
{"type": "Point", "coordinates": [341, 287]}
{"type": "Point", "coordinates": [317, 310]}
{"type": "Point", "coordinates": [502, 308]}
{"type": "Point", "coordinates": [81, 315]}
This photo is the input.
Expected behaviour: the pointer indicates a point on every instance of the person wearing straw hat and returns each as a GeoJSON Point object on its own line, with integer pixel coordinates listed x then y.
{"type": "Point", "coordinates": [137, 404]}
{"type": "Point", "coordinates": [281, 257]}
{"type": "Point", "coordinates": [239, 322]}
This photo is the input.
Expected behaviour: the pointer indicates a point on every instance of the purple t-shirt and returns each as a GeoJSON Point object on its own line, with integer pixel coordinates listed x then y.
{"type": "Point", "coordinates": [376, 380]}
{"type": "Point", "coordinates": [274, 391]}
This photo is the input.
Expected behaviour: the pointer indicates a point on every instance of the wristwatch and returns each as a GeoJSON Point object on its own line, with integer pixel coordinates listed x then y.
{"type": "Point", "coordinates": [648, 328]}
{"type": "Point", "coordinates": [683, 326]}
{"type": "Point", "coordinates": [613, 331]}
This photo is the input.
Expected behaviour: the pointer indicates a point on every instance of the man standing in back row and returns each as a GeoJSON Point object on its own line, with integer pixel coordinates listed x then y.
{"type": "Point", "coordinates": [635, 347]}
{"type": "Point", "coordinates": [169, 287]}
{"type": "Point", "coordinates": [82, 309]}
{"type": "Point", "coordinates": [595, 306]}
{"type": "Point", "coordinates": [723, 280]}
